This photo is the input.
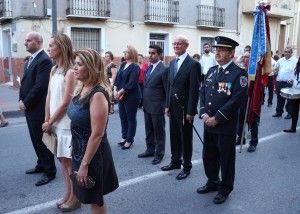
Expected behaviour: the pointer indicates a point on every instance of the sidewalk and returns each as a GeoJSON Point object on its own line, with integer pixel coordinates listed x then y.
{"type": "Point", "coordinates": [9, 97]}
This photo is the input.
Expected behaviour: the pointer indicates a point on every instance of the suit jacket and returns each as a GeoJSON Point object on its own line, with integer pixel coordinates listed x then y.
{"type": "Point", "coordinates": [128, 80]}
{"type": "Point", "coordinates": [34, 85]}
{"type": "Point", "coordinates": [222, 95]}
{"type": "Point", "coordinates": [185, 84]}
{"type": "Point", "coordinates": [154, 93]}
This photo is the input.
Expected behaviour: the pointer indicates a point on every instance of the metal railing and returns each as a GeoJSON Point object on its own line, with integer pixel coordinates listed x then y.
{"type": "Point", "coordinates": [5, 9]}
{"type": "Point", "coordinates": [162, 11]}
{"type": "Point", "coordinates": [88, 8]}
{"type": "Point", "coordinates": [210, 16]}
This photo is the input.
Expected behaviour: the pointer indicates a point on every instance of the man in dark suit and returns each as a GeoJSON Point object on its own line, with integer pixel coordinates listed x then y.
{"type": "Point", "coordinates": [181, 105]}
{"type": "Point", "coordinates": [222, 94]}
{"type": "Point", "coordinates": [33, 92]}
{"type": "Point", "coordinates": [154, 100]}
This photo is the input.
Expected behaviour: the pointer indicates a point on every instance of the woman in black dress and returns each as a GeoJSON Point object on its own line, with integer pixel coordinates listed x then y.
{"type": "Point", "coordinates": [88, 111]}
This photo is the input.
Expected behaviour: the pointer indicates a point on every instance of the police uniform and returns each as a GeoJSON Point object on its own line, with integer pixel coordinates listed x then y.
{"type": "Point", "coordinates": [221, 96]}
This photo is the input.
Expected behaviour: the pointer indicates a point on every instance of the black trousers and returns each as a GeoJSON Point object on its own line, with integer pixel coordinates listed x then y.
{"type": "Point", "coordinates": [219, 154]}
{"type": "Point", "coordinates": [270, 89]}
{"type": "Point", "coordinates": [294, 112]}
{"type": "Point", "coordinates": [254, 132]}
{"type": "Point", "coordinates": [45, 159]}
{"type": "Point", "coordinates": [155, 133]}
{"type": "Point", "coordinates": [280, 99]}
{"type": "Point", "coordinates": [181, 136]}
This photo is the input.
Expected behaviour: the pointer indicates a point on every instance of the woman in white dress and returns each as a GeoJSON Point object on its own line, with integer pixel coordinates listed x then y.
{"type": "Point", "coordinates": [60, 93]}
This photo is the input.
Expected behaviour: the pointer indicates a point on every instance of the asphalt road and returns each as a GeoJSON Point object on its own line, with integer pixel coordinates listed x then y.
{"type": "Point", "coordinates": [267, 181]}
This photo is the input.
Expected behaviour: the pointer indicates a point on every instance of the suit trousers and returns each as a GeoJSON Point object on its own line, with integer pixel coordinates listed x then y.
{"type": "Point", "coordinates": [219, 153]}
{"type": "Point", "coordinates": [45, 157]}
{"type": "Point", "coordinates": [280, 99]}
{"type": "Point", "coordinates": [295, 112]}
{"type": "Point", "coordinates": [254, 132]}
{"type": "Point", "coordinates": [155, 133]}
{"type": "Point", "coordinates": [181, 137]}
{"type": "Point", "coordinates": [127, 112]}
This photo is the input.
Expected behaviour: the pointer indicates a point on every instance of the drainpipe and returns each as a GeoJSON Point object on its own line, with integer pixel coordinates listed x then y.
{"type": "Point", "coordinates": [54, 16]}
{"type": "Point", "coordinates": [237, 18]}
{"type": "Point", "coordinates": [131, 13]}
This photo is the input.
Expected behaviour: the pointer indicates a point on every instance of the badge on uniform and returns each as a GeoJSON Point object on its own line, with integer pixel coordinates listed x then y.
{"type": "Point", "coordinates": [243, 81]}
{"type": "Point", "coordinates": [226, 72]}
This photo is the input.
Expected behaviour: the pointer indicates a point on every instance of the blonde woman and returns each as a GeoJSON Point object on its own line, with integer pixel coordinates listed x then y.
{"type": "Point", "coordinates": [60, 91]}
{"type": "Point", "coordinates": [88, 111]}
{"type": "Point", "coordinates": [127, 91]}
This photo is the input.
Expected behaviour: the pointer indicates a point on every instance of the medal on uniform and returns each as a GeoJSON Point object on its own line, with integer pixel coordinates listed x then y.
{"type": "Point", "coordinates": [228, 88]}
{"type": "Point", "coordinates": [220, 87]}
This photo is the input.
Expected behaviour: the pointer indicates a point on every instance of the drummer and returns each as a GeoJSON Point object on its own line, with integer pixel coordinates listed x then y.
{"type": "Point", "coordinates": [285, 68]}
{"type": "Point", "coordinates": [295, 102]}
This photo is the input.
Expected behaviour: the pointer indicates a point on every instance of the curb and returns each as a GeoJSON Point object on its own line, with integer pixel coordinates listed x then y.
{"type": "Point", "coordinates": [14, 113]}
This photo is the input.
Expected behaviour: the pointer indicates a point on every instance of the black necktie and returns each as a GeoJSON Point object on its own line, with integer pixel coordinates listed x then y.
{"type": "Point", "coordinates": [220, 71]}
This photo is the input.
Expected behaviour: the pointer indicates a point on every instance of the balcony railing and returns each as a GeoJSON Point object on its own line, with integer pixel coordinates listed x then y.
{"type": "Point", "coordinates": [210, 16]}
{"type": "Point", "coordinates": [5, 9]}
{"type": "Point", "coordinates": [282, 9]}
{"type": "Point", "coordinates": [162, 11]}
{"type": "Point", "coordinates": [88, 9]}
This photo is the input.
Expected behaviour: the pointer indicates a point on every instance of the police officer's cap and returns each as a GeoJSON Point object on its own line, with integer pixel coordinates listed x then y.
{"type": "Point", "coordinates": [225, 42]}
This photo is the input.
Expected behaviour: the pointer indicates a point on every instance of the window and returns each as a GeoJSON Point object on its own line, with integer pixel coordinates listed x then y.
{"type": "Point", "coordinates": [86, 38]}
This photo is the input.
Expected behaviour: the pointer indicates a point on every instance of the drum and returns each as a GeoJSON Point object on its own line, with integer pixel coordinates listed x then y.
{"type": "Point", "coordinates": [290, 93]}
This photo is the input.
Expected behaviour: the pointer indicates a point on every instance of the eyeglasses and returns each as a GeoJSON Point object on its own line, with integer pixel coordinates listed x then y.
{"type": "Point", "coordinates": [177, 43]}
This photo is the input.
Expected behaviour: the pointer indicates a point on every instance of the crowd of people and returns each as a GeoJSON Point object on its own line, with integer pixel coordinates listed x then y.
{"type": "Point", "coordinates": [69, 95]}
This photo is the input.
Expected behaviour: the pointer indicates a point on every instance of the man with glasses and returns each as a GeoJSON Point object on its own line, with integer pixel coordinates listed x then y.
{"type": "Point", "coordinates": [221, 95]}
{"type": "Point", "coordinates": [181, 106]}
{"type": "Point", "coordinates": [154, 96]}
{"type": "Point", "coordinates": [285, 68]}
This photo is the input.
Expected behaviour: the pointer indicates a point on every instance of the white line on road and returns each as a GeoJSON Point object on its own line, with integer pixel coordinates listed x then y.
{"type": "Point", "coordinates": [133, 181]}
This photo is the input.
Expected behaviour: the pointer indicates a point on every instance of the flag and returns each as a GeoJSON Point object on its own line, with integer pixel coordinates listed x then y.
{"type": "Point", "coordinates": [260, 64]}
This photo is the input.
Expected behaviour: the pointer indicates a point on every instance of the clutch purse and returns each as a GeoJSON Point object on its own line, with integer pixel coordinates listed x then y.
{"type": "Point", "coordinates": [50, 140]}
{"type": "Point", "coordinates": [90, 181]}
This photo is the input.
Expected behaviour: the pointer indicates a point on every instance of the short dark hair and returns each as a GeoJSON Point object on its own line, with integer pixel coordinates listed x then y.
{"type": "Point", "coordinates": [206, 43]}
{"type": "Point", "coordinates": [248, 46]}
{"type": "Point", "coordinates": [157, 48]}
{"type": "Point", "coordinates": [196, 55]}
{"type": "Point", "coordinates": [111, 56]}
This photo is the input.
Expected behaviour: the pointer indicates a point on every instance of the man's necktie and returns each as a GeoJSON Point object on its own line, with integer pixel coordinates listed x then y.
{"type": "Point", "coordinates": [29, 61]}
{"type": "Point", "coordinates": [220, 71]}
{"type": "Point", "coordinates": [149, 72]}
{"type": "Point", "coordinates": [176, 66]}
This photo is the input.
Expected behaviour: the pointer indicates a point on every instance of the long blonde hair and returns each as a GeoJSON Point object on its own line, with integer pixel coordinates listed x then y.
{"type": "Point", "coordinates": [65, 45]}
{"type": "Point", "coordinates": [92, 60]}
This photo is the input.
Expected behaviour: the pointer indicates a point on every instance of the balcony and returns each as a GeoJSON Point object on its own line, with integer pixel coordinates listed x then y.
{"type": "Point", "coordinates": [91, 9]}
{"type": "Point", "coordinates": [210, 16]}
{"type": "Point", "coordinates": [5, 10]}
{"type": "Point", "coordinates": [162, 11]}
{"type": "Point", "coordinates": [282, 9]}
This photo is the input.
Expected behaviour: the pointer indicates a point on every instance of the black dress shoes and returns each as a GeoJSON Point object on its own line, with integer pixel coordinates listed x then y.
{"type": "Point", "coordinates": [206, 189]}
{"type": "Point", "coordinates": [146, 154]}
{"type": "Point", "coordinates": [183, 174]}
{"type": "Point", "coordinates": [156, 160]}
{"type": "Point", "coordinates": [251, 148]}
{"type": "Point", "coordinates": [290, 130]}
{"type": "Point", "coordinates": [34, 170]}
{"type": "Point", "coordinates": [238, 141]}
{"type": "Point", "coordinates": [121, 143]}
{"type": "Point", "coordinates": [276, 115]}
{"type": "Point", "coordinates": [171, 166]}
{"type": "Point", "coordinates": [288, 116]}
{"type": "Point", "coordinates": [219, 198]}
{"type": "Point", "coordinates": [45, 179]}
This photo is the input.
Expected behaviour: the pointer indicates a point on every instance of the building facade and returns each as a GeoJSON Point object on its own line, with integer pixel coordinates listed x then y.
{"type": "Point", "coordinates": [113, 24]}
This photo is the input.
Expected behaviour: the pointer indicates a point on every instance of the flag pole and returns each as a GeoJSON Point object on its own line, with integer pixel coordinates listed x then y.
{"type": "Point", "coordinates": [244, 125]}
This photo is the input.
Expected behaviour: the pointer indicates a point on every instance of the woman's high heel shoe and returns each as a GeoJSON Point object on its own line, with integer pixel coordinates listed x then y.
{"type": "Point", "coordinates": [70, 207]}
{"type": "Point", "coordinates": [121, 143]}
{"type": "Point", "coordinates": [126, 147]}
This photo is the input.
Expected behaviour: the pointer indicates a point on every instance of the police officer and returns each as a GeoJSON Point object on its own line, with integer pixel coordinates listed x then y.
{"type": "Point", "coordinates": [221, 95]}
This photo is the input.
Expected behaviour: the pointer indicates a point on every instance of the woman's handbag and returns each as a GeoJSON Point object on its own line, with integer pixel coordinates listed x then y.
{"type": "Point", "coordinates": [90, 181]}
{"type": "Point", "coordinates": [50, 140]}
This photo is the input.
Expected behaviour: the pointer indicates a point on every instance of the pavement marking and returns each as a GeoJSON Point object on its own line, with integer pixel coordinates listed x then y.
{"type": "Point", "coordinates": [126, 183]}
